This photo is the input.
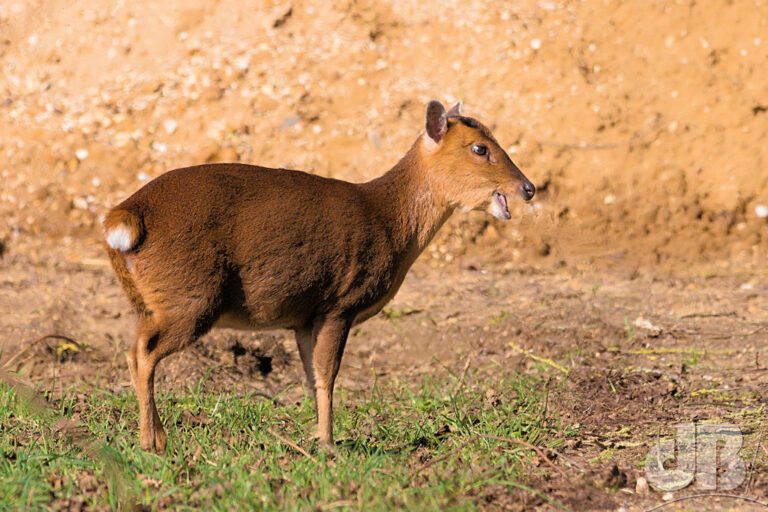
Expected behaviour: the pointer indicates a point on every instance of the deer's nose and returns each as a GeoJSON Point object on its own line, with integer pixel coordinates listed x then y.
{"type": "Point", "coordinates": [528, 190]}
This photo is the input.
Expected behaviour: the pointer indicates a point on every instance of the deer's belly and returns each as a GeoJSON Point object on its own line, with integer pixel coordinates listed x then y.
{"type": "Point", "coordinates": [242, 322]}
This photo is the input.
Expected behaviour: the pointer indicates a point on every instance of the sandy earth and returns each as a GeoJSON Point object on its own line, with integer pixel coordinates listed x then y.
{"type": "Point", "coordinates": [642, 123]}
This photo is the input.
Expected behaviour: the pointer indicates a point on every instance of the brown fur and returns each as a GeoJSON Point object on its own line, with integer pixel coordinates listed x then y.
{"type": "Point", "coordinates": [273, 248]}
{"type": "Point", "coordinates": [132, 222]}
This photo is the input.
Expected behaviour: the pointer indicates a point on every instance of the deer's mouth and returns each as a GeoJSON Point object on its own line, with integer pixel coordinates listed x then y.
{"type": "Point", "coordinates": [499, 207]}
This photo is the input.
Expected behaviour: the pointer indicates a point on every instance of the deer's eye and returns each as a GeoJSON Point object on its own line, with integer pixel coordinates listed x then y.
{"type": "Point", "coordinates": [479, 149]}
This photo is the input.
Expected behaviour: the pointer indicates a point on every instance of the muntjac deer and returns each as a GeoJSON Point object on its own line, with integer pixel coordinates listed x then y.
{"type": "Point", "coordinates": [231, 245]}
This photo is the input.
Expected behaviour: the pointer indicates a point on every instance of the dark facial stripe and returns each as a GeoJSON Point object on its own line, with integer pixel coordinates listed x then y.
{"type": "Point", "coordinates": [474, 123]}
{"type": "Point", "coordinates": [468, 121]}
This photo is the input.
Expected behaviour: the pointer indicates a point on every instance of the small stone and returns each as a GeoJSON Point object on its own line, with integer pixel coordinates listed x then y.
{"type": "Point", "coordinates": [242, 63]}
{"type": "Point", "coordinates": [536, 43]}
{"type": "Point", "coordinates": [211, 93]}
{"type": "Point", "coordinates": [206, 152]}
{"type": "Point", "coordinates": [160, 147]}
{"type": "Point", "coordinates": [653, 330]}
{"type": "Point", "coordinates": [641, 487]}
{"type": "Point", "coordinates": [761, 211]}
{"type": "Point", "coordinates": [228, 154]}
{"type": "Point", "coordinates": [170, 126]}
{"type": "Point", "coordinates": [374, 138]}
{"type": "Point", "coordinates": [492, 398]}
{"type": "Point", "coordinates": [288, 122]}
{"type": "Point", "coordinates": [81, 154]}
{"type": "Point", "coordinates": [668, 496]}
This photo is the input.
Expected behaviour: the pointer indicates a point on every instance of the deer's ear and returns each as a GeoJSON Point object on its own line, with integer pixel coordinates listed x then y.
{"type": "Point", "coordinates": [455, 110]}
{"type": "Point", "coordinates": [437, 120]}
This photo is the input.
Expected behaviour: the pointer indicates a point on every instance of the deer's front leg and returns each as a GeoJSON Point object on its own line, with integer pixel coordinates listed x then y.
{"type": "Point", "coordinates": [330, 338]}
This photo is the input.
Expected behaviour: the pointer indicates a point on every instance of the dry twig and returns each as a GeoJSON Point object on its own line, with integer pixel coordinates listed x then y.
{"type": "Point", "coordinates": [445, 455]}
{"type": "Point", "coordinates": [292, 445]}
{"type": "Point", "coordinates": [526, 444]}
{"type": "Point", "coordinates": [533, 447]}
{"type": "Point", "coordinates": [460, 383]}
{"type": "Point", "coordinates": [35, 342]}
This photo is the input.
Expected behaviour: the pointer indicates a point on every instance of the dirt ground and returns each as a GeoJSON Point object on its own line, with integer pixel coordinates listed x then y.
{"type": "Point", "coordinates": [639, 270]}
{"type": "Point", "coordinates": [621, 386]}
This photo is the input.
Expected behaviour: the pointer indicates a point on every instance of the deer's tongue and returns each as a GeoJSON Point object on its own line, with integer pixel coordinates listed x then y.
{"type": "Point", "coordinates": [500, 208]}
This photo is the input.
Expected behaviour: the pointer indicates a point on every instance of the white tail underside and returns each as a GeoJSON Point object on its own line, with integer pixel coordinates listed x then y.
{"type": "Point", "coordinates": [119, 238]}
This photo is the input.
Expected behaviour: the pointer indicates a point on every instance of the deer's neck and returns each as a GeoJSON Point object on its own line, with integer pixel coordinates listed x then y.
{"type": "Point", "coordinates": [409, 203]}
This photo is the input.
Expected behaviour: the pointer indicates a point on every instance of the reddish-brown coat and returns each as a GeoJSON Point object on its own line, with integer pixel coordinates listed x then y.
{"type": "Point", "coordinates": [252, 247]}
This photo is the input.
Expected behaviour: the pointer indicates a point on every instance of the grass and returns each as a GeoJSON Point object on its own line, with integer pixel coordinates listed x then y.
{"type": "Point", "coordinates": [399, 447]}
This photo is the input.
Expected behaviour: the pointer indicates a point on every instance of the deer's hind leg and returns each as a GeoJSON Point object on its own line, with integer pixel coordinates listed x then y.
{"type": "Point", "coordinates": [305, 340]}
{"type": "Point", "coordinates": [154, 341]}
